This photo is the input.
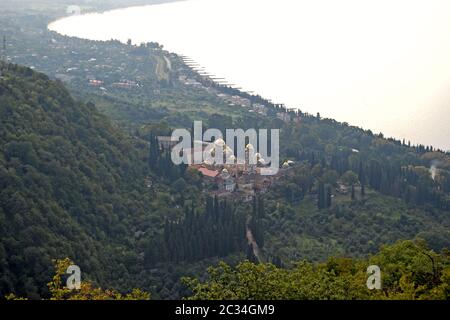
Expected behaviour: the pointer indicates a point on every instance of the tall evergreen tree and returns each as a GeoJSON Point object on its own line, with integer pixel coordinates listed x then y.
{"type": "Point", "coordinates": [328, 197]}
{"type": "Point", "coordinates": [321, 196]}
{"type": "Point", "coordinates": [154, 151]}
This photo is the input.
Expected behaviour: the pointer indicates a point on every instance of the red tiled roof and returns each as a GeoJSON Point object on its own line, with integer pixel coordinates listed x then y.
{"type": "Point", "coordinates": [167, 139]}
{"type": "Point", "coordinates": [209, 173]}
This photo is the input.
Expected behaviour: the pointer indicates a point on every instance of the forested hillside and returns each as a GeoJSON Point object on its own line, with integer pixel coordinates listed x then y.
{"type": "Point", "coordinates": [353, 191]}
{"type": "Point", "coordinates": [410, 271]}
{"type": "Point", "coordinates": [71, 185]}
{"type": "Point", "coordinates": [79, 179]}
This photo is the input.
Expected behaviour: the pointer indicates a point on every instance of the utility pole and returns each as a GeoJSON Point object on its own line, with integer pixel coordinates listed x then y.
{"type": "Point", "coordinates": [3, 56]}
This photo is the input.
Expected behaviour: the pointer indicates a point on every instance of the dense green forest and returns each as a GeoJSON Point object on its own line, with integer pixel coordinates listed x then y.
{"type": "Point", "coordinates": [70, 183]}
{"type": "Point", "coordinates": [79, 178]}
{"type": "Point", "coordinates": [74, 185]}
{"type": "Point", "coordinates": [410, 271]}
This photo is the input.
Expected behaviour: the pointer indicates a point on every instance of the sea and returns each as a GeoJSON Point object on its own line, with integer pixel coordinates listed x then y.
{"type": "Point", "coordinates": [381, 65]}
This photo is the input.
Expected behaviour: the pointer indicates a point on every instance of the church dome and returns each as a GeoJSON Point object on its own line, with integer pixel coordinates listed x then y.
{"type": "Point", "coordinates": [220, 142]}
{"type": "Point", "coordinates": [232, 158]}
{"type": "Point", "coordinates": [258, 159]}
{"type": "Point", "coordinates": [228, 151]}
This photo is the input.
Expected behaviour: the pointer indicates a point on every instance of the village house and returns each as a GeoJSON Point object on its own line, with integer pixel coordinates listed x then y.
{"type": "Point", "coordinates": [342, 189]}
{"type": "Point", "coordinates": [260, 109]}
{"type": "Point", "coordinates": [95, 83]}
{"type": "Point", "coordinates": [286, 117]}
{"type": "Point", "coordinates": [210, 175]}
{"type": "Point", "coordinates": [148, 182]}
{"type": "Point", "coordinates": [226, 181]}
{"type": "Point", "coordinates": [229, 185]}
{"type": "Point", "coordinates": [126, 84]}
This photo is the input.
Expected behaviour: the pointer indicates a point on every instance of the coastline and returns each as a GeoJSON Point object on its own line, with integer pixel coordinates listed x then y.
{"type": "Point", "coordinates": [97, 11]}
{"type": "Point", "coordinates": [179, 55]}
{"type": "Point", "coordinates": [201, 74]}
{"type": "Point", "coordinates": [100, 10]}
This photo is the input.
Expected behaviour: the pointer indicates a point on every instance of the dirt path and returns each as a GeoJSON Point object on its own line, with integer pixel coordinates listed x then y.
{"type": "Point", "coordinates": [251, 241]}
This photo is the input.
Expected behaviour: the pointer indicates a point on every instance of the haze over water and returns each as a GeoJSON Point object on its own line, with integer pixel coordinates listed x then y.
{"type": "Point", "coordinates": [383, 65]}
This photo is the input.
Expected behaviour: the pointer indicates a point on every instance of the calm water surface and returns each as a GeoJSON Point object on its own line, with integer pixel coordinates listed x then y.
{"type": "Point", "coordinates": [383, 65]}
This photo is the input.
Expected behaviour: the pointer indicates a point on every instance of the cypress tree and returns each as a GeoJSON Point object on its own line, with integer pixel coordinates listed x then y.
{"type": "Point", "coordinates": [329, 193]}
{"type": "Point", "coordinates": [250, 255]}
{"type": "Point", "coordinates": [154, 151]}
{"type": "Point", "coordinates": [321, 196]}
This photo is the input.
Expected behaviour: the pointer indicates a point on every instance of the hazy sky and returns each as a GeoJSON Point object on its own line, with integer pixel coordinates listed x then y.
{"type": "Point", "coordinates": [383, 65]}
